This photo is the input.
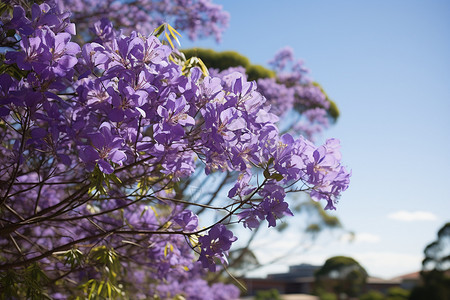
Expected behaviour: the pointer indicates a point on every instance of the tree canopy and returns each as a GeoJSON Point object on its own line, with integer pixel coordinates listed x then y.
{"type": "Point", "coordinates": [435, 274]}
{"type": "Point", "coordinates": [341, 275]}
{"type": "Point", "coordinates": [437, 253]}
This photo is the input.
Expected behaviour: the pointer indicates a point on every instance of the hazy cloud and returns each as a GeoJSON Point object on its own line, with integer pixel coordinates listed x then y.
{"type": "Point", "coordinates": [389, 264]}
{"type": "Point", "coordinates": [410, 216]}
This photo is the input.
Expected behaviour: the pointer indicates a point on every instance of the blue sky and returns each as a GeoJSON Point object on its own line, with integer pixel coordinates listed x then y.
{"type": "Point", "coordinates": [387, 66]}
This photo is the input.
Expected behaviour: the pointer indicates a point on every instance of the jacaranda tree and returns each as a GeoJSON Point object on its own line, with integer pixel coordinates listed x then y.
{"type": "Point", "coordinates": [198, 18]}
{"type": "Point", "coordinates": [97, 142]}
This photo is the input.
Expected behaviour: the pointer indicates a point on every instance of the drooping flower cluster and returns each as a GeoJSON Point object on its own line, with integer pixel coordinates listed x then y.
{"type": "Point", "coordinates": [97, 143]}
{"type": "Point", "coordinates": [292, 89]}
{"type": "Point", "coordinates": [199, 18]}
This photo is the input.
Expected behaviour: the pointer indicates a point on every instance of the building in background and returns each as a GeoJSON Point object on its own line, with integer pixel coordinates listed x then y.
{"type": "Point", "coordinates": [300, 280]}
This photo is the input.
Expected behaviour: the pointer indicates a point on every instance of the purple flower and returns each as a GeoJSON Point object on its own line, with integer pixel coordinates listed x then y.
{"type": "Point", "coordinates": [187, 220]}
{"type": "Point", "coordinates": [273, 205]}
{"type": "Point", "coordinates": [104, 31]}
{"type": "Point", "coordinates": [215, 244]}
{"type": "Point", "coordinates": [105, 146]}
{"type": "Point", "coordinates": [251, 218]}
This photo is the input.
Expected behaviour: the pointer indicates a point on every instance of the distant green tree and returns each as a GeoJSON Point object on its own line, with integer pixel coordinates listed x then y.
{"type": "Point", "coordinates": [326, 296]}
{"type": "Point", "coordinates": [372, 295]}
{"type": "Point", "coordinates": [433, 288]}
{"type": "Point", "coordinates": [397, 293]}
{"type": "Point", "coordinates": [271, 294]}
{"type": "Point", "coordinates": [226, 59]}
{"type": "Point", "coordinates": [435, 269]}
{"type": "Point", "coordinates": [342, 275]}
{"type": "Point", "coordinates": [437, 253]}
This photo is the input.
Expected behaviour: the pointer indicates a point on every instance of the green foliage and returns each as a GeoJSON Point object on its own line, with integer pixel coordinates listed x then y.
{"type": "Point", "coordinates": [271, 294]}
{"type": "Point", "coordinates": [333, 110]}
{"type": "Point", "coordinates": [109, 268]}
{"type": "Point", "coordinates": [169, 33]}
{"type": "Point", "coordinates": [194, 62]}
{"type": "Point", "coordinates": [226, 59]}
{"type": "Point", "coordinates": [25, 284]}
{"type": "Point", "coordinates": [34, 281]}
{"type": "Point", "coordinates": [223, 60]}
{"type": "Point", "coordinates": [72, 257]}
{"type": "Point", "coordinates": [372, 295]}
{"type": "Point", "coordinates": [394, 293]}
{"type": "Point", "coordinates": [254, 72]}
{"type": "Point", "coordinates": [341, 274]}
{"type": "Point", "coordinates": [327, 296]}
{"type": "Point", "coordinates": [99, 181]}
{"type": "Point", "coordinates": [435, 286]}
{"type": "Point", "coordinates": [218, 60]}
{"type": "Point", "coordinates": [28, 283]}
{"type": "Point", "coordinates": [435, 269]}
{"type": "Point", "coordinates": [5, 7]}
{"type": "Point", "coordinates": [397, 293]}
{"type": "Point", "coordinates": [9, 285]}
{"type": "Point", "coordinates": [430, 292]}
{"type": "Point", "coordinates": [437, 253]}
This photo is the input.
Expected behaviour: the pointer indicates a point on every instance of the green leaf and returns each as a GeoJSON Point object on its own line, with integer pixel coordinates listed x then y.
{"type": "Point", "coordinates": [100, 287]}
{"type": "Point", "coordinates": [108, 285]}
{"type": "Point", "coordinates": [174, 34]}
{"type": "Point", "coordinates": [266, 174]}
{"type": "Point", "coordinates": [93, 285]}
{"type": "Point", "coordinates": [169, 40]}
{"type": "Point", "coordinates": [158, 31]}
{"type": "Point", "coordinates": [4, 7]}
{"type": "Point", "coordinates": [277, 177]}
{"type": "Point", "coordinates": [203, 67]}
{"type": "Point", "coordinates": [73, 257]}
{"type": "Point", "coordinates": [9, 280]}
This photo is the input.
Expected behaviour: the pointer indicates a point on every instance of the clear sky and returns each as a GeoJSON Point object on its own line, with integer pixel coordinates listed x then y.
{"type": "Point", "coordinates": [387, 66]}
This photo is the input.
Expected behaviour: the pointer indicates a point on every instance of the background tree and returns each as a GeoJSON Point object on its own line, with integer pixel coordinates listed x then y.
{"type": "Point", "coordinates": [197, 18]}
{"type": "Point", "coordinates": [435, 269]}
{"type": "Point", "coordinates": [372, 295]}
{"type": "Point", "coordinates": [394, 293]}
{"type": "Point", "coordinates": [271, 294]}
{"type": "Point", "coordinates": [229, 59]}
{"type": "Point", "coordinates": [341, 275]}
{"type": "Point", "coordinates": [437, 253]}
{"type": "Point", "coordinates": [291, 80]}
{"type": "Point", "coordinates": [397, 293]}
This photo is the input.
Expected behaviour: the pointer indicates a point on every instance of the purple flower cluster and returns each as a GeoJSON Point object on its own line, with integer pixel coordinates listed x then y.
{"type": "Point", "coordinates": [45, 40]}
{"type": "Point", "coordinates": [98, 141]}
{"type": "Point", "coordinates": [199, 18]}
{"type": "Point", "coordinates": [291, 92]}
{"type": "Point", "coordinates": [215, 244]}
{"type": "Point", "coordinates": [292, 89]}
{"type": "Point", "coordinates": [291, 161]}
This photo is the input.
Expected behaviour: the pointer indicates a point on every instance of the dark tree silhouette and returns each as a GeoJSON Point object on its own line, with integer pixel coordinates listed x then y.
{"type": "Point", "coordinates": [435, 269]}
{"type": "Point", "coordinates": [341, 275]}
